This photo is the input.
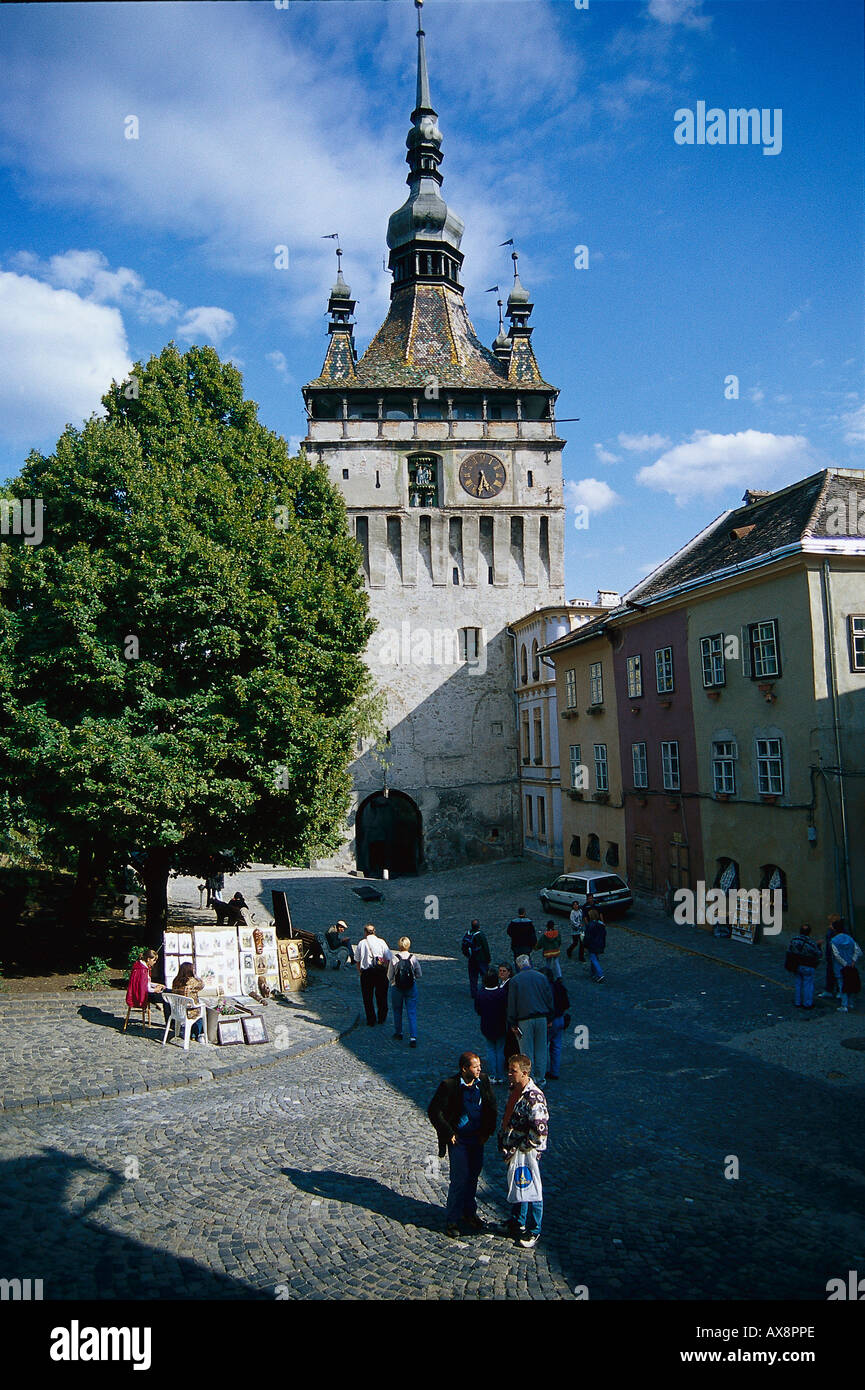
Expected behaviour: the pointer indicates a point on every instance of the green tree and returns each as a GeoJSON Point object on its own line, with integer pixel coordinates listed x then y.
{"type": "Point", "coordinates": [181, 671]}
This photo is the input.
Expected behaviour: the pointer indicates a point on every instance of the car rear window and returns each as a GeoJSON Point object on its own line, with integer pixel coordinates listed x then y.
{"type": "Point", "coordinates": [611, 884]}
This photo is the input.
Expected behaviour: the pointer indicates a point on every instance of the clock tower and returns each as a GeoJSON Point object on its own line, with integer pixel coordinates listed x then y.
{"type": "Point", "coordinates": [449, 460]}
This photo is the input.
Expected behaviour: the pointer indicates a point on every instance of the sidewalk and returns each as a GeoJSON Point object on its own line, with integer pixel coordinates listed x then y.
{"type": "Point", "coordinates": [765, 958]}
{"type": "Point", "coordinates": [61, 1048]}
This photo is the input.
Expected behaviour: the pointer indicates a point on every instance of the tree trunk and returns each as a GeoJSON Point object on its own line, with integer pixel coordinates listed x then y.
{"type": "Point", "coordinates": [154, 875]}
{"type": "Point", "coordinates": [89, 877]}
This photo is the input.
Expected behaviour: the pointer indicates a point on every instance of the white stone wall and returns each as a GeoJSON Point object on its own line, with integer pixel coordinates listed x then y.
{"type": "Point", "coordinates": [453, 734]}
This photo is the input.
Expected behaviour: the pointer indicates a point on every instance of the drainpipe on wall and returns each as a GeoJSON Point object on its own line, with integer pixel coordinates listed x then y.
{"type": "Point", "coordinates": [513, 637]}
{"type": "Point", "coordinates": [829, 640]}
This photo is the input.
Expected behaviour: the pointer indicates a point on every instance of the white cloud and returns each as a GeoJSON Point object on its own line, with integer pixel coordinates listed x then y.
{"type": "Point", "coordinates": [591, 493]}
{"type": "Point", "coordinates": [89, 274]}
{"type": "Point", "coordinates": [206, 323]}
{"type": "Point", "coordinates": [854, 421]}
{"type": "Point", "coordinates": [643, 443]}
{"type": "Point", "coordinates": [797, 313]}
{"type": "Point", "coordinates": [59, 353]}
{"type": "Point", "coordinates": [687, 12]}
{"type": "Point", "coordinates": [756, 395]}
{"type": "Point", "coordinates": [604, 455]}
{"type": "Point", "coordinates": [279, 362]}
{"type": "Point", "coordinates": [710, 463]}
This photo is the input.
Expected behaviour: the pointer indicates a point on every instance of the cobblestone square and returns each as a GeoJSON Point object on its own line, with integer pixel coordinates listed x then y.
{"type": "Point", "coordinates": [308, 1170]}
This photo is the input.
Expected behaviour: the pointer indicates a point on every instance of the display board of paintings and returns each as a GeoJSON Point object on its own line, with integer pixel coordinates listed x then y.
{"type": "Point", "coordinates": [292, 967]}
{"type": "Point", "coordinates": [258, 958]}
{"type": "Point", "coordinates": [216, 963]}
{"type": "Point", "coordinates": [178, 948]}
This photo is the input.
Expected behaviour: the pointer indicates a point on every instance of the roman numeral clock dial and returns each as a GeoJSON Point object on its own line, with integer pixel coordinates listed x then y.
{"type": "Point", "coordinates": [482, 475]}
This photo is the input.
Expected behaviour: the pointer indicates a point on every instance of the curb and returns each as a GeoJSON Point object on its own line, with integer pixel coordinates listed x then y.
{"type": "Point", "coordinates": [76, 1094]}
{"type": "Point", "coordinates": [705, 955]}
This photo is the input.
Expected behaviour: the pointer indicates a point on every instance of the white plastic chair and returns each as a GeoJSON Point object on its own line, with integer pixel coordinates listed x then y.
{"type": "Point", "coordinates": [180, 1005]}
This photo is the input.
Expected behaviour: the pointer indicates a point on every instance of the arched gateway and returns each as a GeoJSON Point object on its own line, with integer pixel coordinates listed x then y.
{"type": "Point", "coordinates": [388, 835]}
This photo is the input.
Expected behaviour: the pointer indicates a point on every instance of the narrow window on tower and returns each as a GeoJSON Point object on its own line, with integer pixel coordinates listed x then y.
{"type": "Point", "coordinates": [544, 548]}
{"type": "Point", "coordinates": [394, 546]}
{"type": "Point", "coordinates": [424, 539]}
{"type": "Point", "coordinates": [455, 541]}
{"type": "Point", "coordinates": [530, 481]}
{"type": "Point", "coordinates": [517, 550]}
{"type": "Point", "coordinates": [485, 546]}
{"type": "Point", "coordinates": [361, 531]}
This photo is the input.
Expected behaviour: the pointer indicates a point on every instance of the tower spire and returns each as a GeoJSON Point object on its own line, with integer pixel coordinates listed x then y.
{"type": "Point", "coordinates": [424, 235]}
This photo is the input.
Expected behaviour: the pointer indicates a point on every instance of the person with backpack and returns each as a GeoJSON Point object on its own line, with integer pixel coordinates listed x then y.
{"type": "Point", "coordinates": [835, 925]}
{"type": "Point", "coordinates": [403, 974]}
{"type": "Point", "coordinates": [557, 1024]}
{"type": "Point", "coordinates": [476, 950]}
{"type": "Point", "coordinates": [521, 930]}
{"type": "Point", "coordinates": [492, 1005]}
{"type": "Point", "coordinates": [595, 942]}
{"type": "Point", "coordinates": [803, 957]}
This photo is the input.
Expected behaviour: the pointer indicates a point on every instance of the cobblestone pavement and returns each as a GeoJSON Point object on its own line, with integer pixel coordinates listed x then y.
{"type": "Point", "coordinates": [315, 1176]}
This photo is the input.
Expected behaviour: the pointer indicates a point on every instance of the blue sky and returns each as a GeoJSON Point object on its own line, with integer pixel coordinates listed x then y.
{"type": "Point", "coordinates": [260, 127]}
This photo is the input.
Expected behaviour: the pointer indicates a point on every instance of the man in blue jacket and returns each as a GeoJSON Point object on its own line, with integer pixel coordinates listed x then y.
{"type": "Point", "coordinates": [595, 941]}
{"type": "Point", "coordinates": [463, 1113]}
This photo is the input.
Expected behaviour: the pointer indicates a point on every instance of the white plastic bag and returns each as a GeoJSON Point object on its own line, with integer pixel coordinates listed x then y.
{"type": "Point", "coordinates": [524, 1178]}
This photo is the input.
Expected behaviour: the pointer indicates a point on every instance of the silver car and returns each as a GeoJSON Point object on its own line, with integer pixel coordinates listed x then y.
{"type": "Point", "coordinates": [611, 893]}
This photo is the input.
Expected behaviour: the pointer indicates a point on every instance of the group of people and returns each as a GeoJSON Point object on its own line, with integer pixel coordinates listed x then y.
{"type": "Point", "coordinates": [185, 982]}
{"type": "Point", "coordinates": [842, 977]}
{"type": "Point", "coordinates": [384, 972]}
{"type": "Point", "coordinates": [463, 1113]}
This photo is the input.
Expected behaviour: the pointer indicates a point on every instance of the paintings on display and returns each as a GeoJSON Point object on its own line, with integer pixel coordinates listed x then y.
{"type": "Point", "coordinates": [258, 958]}
{"type": "Point", "coordinates": [216, 962]}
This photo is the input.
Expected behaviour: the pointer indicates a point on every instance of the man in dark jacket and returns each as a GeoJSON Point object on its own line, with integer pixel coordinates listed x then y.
{"type": "Point", "coordinates": [463, 1113]}
{"type": "Point", "coordinates": [595, 942]}
{"type": "Point", "coordinates": [521, 930]}
{"type": "Point", "coordinates": [476, 950]}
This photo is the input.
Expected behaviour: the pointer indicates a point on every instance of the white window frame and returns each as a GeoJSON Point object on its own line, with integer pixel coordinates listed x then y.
{"type": "Point", "coordinates": [856, 624]}
{"type": "Point", "coordinates": [712, 661]}
{"type": "Point", "coordinates": [571, 688]}
{"type": "Point", "coordinates": [602, 768]}
{"type": "Point", "coordinates": [640, 763]}
{"type": "Point", "coordinates": [724, 756]}
{"type": "Point", "coordinates": [530, 830]}
{"type": "Point", "coordinates": [760, 644]}
{"type": "Point", "coordinates": [596, 683]}
{"type": "Point", "coordinates": [634, 667]}
{"type": "Point", "coordinates": [770, 766]}
{"type": "Point", "coordinates": [664, 670]}
{"type": "Point", "coordinates": [576, 763]}
{"type": "Point", "coordinates": [670, 768]}
{"type": "Point", "coordinates": [542, 817]}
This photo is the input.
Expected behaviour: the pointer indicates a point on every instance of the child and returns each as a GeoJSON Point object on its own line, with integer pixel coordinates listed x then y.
{"type": "Point", "coordinates": [551, 945]}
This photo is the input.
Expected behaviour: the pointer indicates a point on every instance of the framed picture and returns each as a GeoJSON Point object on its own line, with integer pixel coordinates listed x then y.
{"type": "Point", "coordinates": [293, 950]}
{"type": "Point", "coordinates": [254, 1030]}
{"type": "Point", "coordinates": [229, 1030]}
{"type": "Point", "coordinates": [294, 967]}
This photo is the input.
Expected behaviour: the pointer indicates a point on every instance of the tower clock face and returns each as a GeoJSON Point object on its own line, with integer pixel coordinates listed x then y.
{"type": "Point", "coordinates": [482, 475]}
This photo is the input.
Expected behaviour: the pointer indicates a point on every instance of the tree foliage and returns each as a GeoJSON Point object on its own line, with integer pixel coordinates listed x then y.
{"type": "Point", "coordinates": [181, 669]}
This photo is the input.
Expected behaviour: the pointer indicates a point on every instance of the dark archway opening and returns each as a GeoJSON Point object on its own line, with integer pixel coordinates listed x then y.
{"type": "Point", "coordinates": [388, 835]}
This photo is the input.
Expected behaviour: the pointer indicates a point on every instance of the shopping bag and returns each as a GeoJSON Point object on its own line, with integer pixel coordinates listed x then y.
{"type": "Point", "coordinates": [524, 1178]}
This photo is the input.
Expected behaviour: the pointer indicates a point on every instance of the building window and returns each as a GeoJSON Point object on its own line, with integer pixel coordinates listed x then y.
{"type": "Point", "coordinates": [526, 749]}
{"type": "Point", "coordinates": [423, 489]}
{"type": "Point", "coordinates": [775, 880]}
{"type": "Point", "coordinates": [596, 683]}
{"type": "Point", "coordinates": [571, 688]}
{"type": "Point", "coordinates": [542, 817]}
{"type": "Point", "coordinates": [602, 781]}
{"type": "Point", "coordinates": [724, 767]}
{"type": "Point", "coordinates": [539, 738]}
{"type": "Point", "coordinates": [641, 766]}
{"type": "Point", "coordinates": [635, 677]}
{"type": "Point", "coordinates": [857, 642]}
{"type": "Point", "coordinates": [763, 649]}
{"type": "Point", "coordinates": [530, 825]}
{"type": "Point", "coordinates": [536, 661]}
{"type": "Point", "coordinates": [576, 851]}
{"type": "Point", "coordinates": [670, 766]}
{"type": "Point", "coordinates": [524, 665]}
{"type": "Point", "coordinates": [470, 642]}
{"type": "Point", "coordinates": [530, 481]}
{"type": "Point", "coordinates": [712, 658]}
{"type": "Point", "coordinates": [577, 779]}
{"type": "Point", "coordinates": [593, 849]}
{"type": "Point", "coordinates": [612, 855]}
{"type": "Point", "coordinates": [770, 773]}
{"type": "Point", "coordinates": [664, 669]}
